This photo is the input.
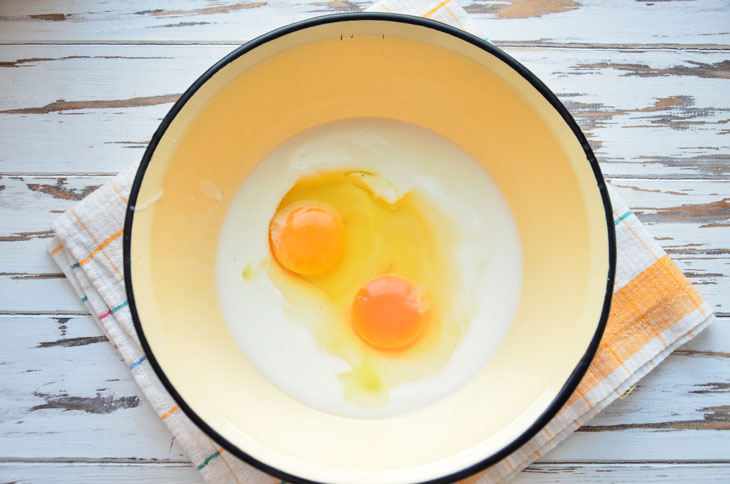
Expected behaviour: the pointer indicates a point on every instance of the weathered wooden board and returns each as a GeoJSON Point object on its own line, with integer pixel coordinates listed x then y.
{"type": "Point", "coordinates": [647, 114]}
{"type": "Point", "coordinates": [690, 218]}
{"type": "Point", "coordinates": [542, 473]}
{"type": "Point", "coordinates": [73, 383]}
{"type": "Point", "coordinates": [121, 473]}
{"type": "Point", "coordinates": [538, 473]}
{"type": "Point", "coordinates": [66, 393]}
{"type": "Point", "coordinates": [646, 80]}
{"type": "Point", "coordinates": [51, 294]}
{"type": "Point", "coordinates": [29, 294]}
{"type": "Point", "coordinates": [28, 205]}
{"type": "Point", "coordinates": [699, 24]}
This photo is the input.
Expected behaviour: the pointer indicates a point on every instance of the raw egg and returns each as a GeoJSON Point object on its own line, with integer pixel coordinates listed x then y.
{"type": "Point", "coordinates": [389, 255]}
{"type": "Point", "coordinates": [307, 238]}
{"type": "Point", "coordinates": [390, 312]}
{"type": "Point", "coordinates": [368, 267]}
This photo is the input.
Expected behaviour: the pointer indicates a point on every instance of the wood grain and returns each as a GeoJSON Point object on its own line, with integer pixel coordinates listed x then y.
{"type": "Point", "coordinates": [669, 127]}
{"type": "Point", "coordinates": [62, 105]}
{"type": "Point", "coordinates": [665, 473]}
{"type": "Point", "coordinates": [84, 84]}
{"type": "Point", "coordinates": [535, 22]}
{"type": "Point", "coordinates": [75, 383]}
{"type": "Point", "coordinates": [539, 473]}
{"type": "Point", "coordinates": [514, 9]}
{"type": "Point", "coordinates": [675, 211]}
{"type": "Point", "coordinates": [108, 473]}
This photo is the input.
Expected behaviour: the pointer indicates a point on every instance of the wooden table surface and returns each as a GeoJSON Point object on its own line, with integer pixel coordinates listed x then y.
{"type": "Point", "coordinates": [83, 85]}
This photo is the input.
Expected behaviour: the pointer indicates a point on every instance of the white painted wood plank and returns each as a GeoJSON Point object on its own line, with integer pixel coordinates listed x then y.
{"type": "Point", "coordinates": [51, 293]}
{"type": "Point", "coordinates": [690, 218]}
{"type": "Point", "coordinates": [648, 114]}
{"type": "Point", "coordinates": [689, 391]}
{"type": "Point", "coordinates": [672, 414]}
{"type": "Point", "coordinates": [700, 23]}
{"type": "Point", "coordinates": [651, 114]}
{"type": "Point", "coordinates": [538, 473]}
{"type": "Point", "coordinates": [544, 473]}
{"type": "Point", "coordinates": [66, 393]}
{"type": "Point", "coordinates": [28, 294]}
{"type": "Point", "coordinates": [93, 473]}
{"type": "Point", "coordinates": [629, 445]}
{"type": "Point", "coordinates": [28, 205]}
{"type": "Point", "coordinates": [121, 96]}
{"type": "Point", "coordinates": [594, 22]}
{"type": "Point", "coordinates": [62, 367]}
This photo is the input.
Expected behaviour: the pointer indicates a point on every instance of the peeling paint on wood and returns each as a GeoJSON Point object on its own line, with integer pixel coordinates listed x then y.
{"type": "Point", "coordinates": [21, 236]}
{"type": "Point", "coordinates": [134, 145]}
{"type": "Point", "coordinates": [683, 251]}
{"type": "Point", "coordinates": [62, 324]}
{"type": "Point", "coordinates": [73, 342]}
{"type": "Point", "coordinates": [576, 22]}
{"type": "Point", "coordinates": [53, 17]}
{"type": "Point", "coordinates": [635, 66]}
{"type": "Point", "coordinates": [63, 105]}
{"type": "Point", "coordinates": [677, 112]}
{"type": "Point", "coordinates": [116, 471]}
{"type": "Point", "coordinates": [341, 6]}
{"type": "Point", "coordinates": [25, 277]}
{"type": "Point", "coordinates": [716, 211]}
{"type": "Point", "coordinates": [719, 70]}
{"type": "Point", "coordinates": [35, 60]}
{"type": "Point", "coordinates": [97, 404]}
{"type": "Point", "coordinates": [722, 387]}
{"type": "Point", "coordinates": [715, 165]}
{"type": "Point", "coordinates": [715, 418]}
{"type": "Point", "coordinates": [612, 473]}
{"type": "Point", "coordinates": [204, 11]}
{"type": "Point", "coordinates": [639, 189]}
{"type": "Point", "coordinates": [18, 62]}
{"type": "Point", "coordinates": [179, 24]}
{"type": "Point", "coordinates": [61, 190]}
{"type": "Point", "coordinates": [595, 110]}
{"type": "Point", "coordinates": [512, 9]}
{"type": "Point", "coordinates": [596, 97]}
{"type": "Point", "coordinates": [25, 208]}
{"type": "Point", "coordinates": [673, 379]}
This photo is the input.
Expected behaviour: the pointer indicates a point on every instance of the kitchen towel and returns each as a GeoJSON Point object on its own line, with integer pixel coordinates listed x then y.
{"type": "Point", "coordinates": [654, 311]}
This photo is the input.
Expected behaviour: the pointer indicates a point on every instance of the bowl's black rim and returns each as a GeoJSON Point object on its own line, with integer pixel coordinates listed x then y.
{"type": "Point", "coordinates": [585, 361]}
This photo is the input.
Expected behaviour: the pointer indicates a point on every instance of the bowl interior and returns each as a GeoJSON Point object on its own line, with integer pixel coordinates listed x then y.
{"type": "Point", "coordinates": [374, 68]}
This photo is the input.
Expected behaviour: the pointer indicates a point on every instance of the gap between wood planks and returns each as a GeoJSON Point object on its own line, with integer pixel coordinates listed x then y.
{"type": "Point", "coordinates": [112, 174]}
{"type": "Point", "coordinates": [153, 462]}
{"type": "Point", "coordinates": [507, 44]}
{"type": "Point", "coordinates": [4, 314]}
{"type": "Point", "coordinates": [91, 460]}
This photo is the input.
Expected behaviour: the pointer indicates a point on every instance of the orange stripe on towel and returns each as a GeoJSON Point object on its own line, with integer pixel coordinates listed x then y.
{"type": "Point", "coordinates": [436, 8]}
{"type": "Point", "coordinates": [170, 412]}
{"type": "Point", "coordinates": [641, 311]}
{"type": "Point", "coordinates": [101, 247]}
{"type": "Point", "coordinates": [108, 259]}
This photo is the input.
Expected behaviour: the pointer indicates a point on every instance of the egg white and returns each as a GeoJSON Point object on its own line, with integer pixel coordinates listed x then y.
{"type": "Point", "coordinates": [407, 157]}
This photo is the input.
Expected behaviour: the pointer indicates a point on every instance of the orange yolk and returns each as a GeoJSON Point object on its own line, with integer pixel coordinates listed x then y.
{"type": "Point", "coordinates": [390, 312]}
{"type": "Point", "coordinates": [307, 238]}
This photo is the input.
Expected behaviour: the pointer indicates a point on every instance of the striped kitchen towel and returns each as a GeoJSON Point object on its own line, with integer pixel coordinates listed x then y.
{"type": "Point", "coordinates": [654, 311]}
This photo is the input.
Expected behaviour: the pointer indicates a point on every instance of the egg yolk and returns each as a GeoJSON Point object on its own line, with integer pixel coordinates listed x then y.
{"type": "Point", "coordinates": [390, 312]}
{"type": "Point", "coordinates": [307, 238]}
